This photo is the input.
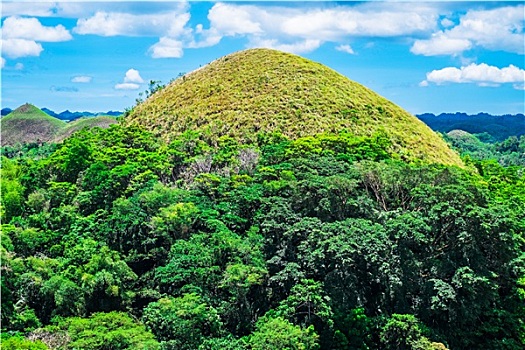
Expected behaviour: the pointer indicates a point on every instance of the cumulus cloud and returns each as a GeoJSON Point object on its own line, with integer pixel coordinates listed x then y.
{"type": "Point", "coordinates": [81, 79]}
{"type": "Point", "coordinates": [167, 48]}
{"type": "Point", "coordinates": [132, 79]}
{"type": "Point", "coordinates": [481, 74]}
{"type": "Point", "coordinates": [127, 86]}
{"type": "Point", "coordinates": [39, 9]}
{"type": "Point", "coordinates": [440, 44]}
{"type": "Point", "coordinates": [345, 48]}
{"type": "Point", "coordinates": [133, 76]}
{"type": "Point", "coordinates": [298, 47]}
{"type": "Point", "coordinates": [447, 23]}
{"type": "Point", "coordinates": [15, 48]}
{"type": "Point", "coordinates": [494, 29]}
{"type": "Point", "coordinates": [21, 36]}
{"type": "Point", "coordinates": [303, 29]}
{"type": "Point", "coordinates": [82, 9]}
{"type": "Point", "coordinates": [114, 23]}
{"type": "Point", "coordinates": [32, 29]}
{"type": "Point", "coordinates": [169, 26]}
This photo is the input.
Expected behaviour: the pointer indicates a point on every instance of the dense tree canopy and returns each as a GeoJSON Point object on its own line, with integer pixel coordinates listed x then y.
{"type": "Point", "coordinates": [113, 240]}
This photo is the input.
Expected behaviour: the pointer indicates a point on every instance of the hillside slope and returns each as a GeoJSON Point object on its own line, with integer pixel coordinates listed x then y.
{"type": "Point", "coordinates": [262, 90]}
{"type": "Point", "coordinates": [28, 124]}
{"type": "Point", "coordinates": [84, 122]}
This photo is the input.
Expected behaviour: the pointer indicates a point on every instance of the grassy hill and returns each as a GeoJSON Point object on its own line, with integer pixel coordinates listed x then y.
{"type": "Point", "coordinates": [28, 124]}
{"type": "Point", "coordinates": [85, 122]}
{"type": "Point", "coordinates": [262, 90]}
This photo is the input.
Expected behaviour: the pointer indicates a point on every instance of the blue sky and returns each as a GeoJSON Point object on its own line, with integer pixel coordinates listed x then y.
{"type": "Point", "coordinates": [424, 56]}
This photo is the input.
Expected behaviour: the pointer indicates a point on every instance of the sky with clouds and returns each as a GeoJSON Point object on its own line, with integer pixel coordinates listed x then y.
{"type": "Point", "coordinates": [425, 56]}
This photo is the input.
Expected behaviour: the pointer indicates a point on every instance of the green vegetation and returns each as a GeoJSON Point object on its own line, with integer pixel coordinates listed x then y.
{"type": "Point", "coordinates": [508, 152]}
{"type": "Point", "coordinates": [219, 215]}
{"type": "Point", "coordinates": [115, 239]}
{"type": "Point", "coordinates": [86, 122]}
{"type": "Point", "coordinates": [497, 127]}
{"type": "Point", "coordinates": [29, 125]}
{"type": "Point", "coordinates": [267, 91]}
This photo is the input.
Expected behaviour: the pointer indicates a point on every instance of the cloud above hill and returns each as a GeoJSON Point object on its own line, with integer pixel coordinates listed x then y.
{"type": "Point", "coordinates": [493, 29]}
{"type": "Point", "coordinates": [21, 37]}
{"type": "Point", "coordinates": [481, 74]}
{"type": "Point", "coordinates": [132, 81]}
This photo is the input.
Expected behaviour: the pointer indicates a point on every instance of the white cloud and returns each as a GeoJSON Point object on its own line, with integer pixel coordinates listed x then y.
{"type": "Point", "coordinates": [230, 19]}
{"type": "Point", "coordinates": [81, 79]}
{"type": "Point", "coordinates": [15, 48]}
{"type": "Point", "coordinates": [133, 76]}
{"type": "Point", "coordinates": [167, 48]}
{"type": "Point", "coordinates": [19, 66]}
{"type": "Point", "coordinates": [127, 86]}
{"type": "Point", "coordinates": [447, 23]}
{"type": "Point", "coordinates": [494, 29]}
{"type": "Point", "coordinates": [302, 29]}
{"type": "Point", "coordinates": [440, 44]}
{"type": "Point", "coordinates": [114, 23]}
{"type": "Point", "coordinates": [20, 36]}
{"type": "Point", "coordinates": [132, 79]}
{"type": "Point", "coordinates": [2, 62]}
{"type": "Point", "coordinates": [345, 48]}
{"type": "Point", "coordinates": [303, 46]}
{"type": "Point", "coordinates": [481, 74]}
{"type": "Point", "coordinates": [39, 9]}
{"type": "Point", "coordinates": [32, 29]}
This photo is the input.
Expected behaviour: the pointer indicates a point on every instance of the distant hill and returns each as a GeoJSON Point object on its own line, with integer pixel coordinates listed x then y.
{"type": "Point", "coordinates": [68, 115]}
{"type": "Point", "coordinates": [84, 122]}
{"type": "Point", "coordinates": [262, 90]}
{"type": "Point", "coordinates": [28, 124]}
{"type": "Point", "coordinates": [499, 127]}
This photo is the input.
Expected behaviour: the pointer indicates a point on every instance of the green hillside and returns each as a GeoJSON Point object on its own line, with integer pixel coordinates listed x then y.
{"type": "Point", "coordinates": [261, 90]}
{"type": "Point", "coordinates": [86, 122]}
{"type": "Point", "coordinates": [28, 124]}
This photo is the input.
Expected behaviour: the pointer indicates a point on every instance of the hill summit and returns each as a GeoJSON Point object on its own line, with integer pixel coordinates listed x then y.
{"type": "Point", "coordinates": [28, 124]}
{"type": "Point", "coordinates": [263, 90]}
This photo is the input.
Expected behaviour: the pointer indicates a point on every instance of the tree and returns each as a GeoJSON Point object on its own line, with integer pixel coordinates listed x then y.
{"type": "Point", "coordinates": [105, 331]}
{"type": "Point", "coordinates": [182, 323]}
{"type": "Point", "coordinates": [278, 333]}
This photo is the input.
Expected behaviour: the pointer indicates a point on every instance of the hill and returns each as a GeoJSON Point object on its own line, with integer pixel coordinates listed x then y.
{"type": "Point", "coordinates": [262, 90]}
{"type": "Point", "coordinates": [84, 122]}
{"type": "Point", "coordinates": [70, 116]}
{"type": "Point", "coordinates": [28, 124]}
{"type": "Point", "coordinates": [499, 127]}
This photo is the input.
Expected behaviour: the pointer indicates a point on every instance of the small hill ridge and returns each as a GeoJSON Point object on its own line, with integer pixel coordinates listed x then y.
{"type": "Point", "coordinates": [28, 124]}
{"type": "Point", "coordinates": [263, 90]}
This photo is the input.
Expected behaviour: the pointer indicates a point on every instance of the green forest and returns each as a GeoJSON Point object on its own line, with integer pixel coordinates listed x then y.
{"type": "Point", "coordinates": [114, 239]}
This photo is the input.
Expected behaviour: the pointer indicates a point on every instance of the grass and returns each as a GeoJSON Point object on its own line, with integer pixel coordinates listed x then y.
{"type": "Point", "coordinates": [262, 90]}
{"type": "Point", "coordinates": [86, 122]}
{"type": "Point", "coordinates": [28, 124]}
